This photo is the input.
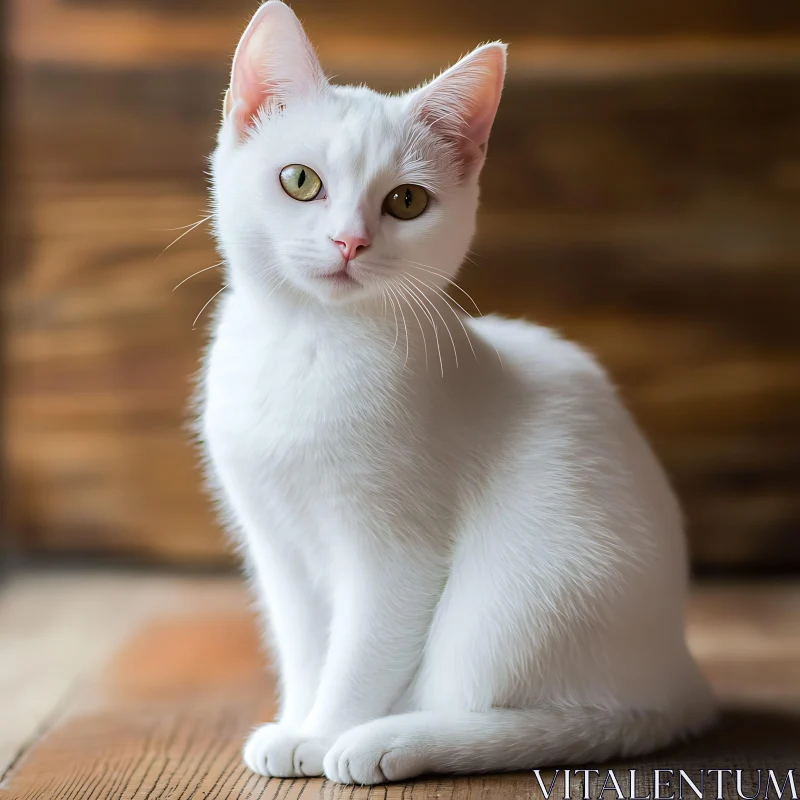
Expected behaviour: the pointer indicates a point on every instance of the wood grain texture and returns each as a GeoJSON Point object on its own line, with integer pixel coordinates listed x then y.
{"type": "Point", "coordinates": [641, 196]}
{"type": "Point", "coordinates": [57, 628]}
{"type": "Point", "coordinates": [167, 716]}
{"type": "Point", "coordinates": [101, 360]}
{"type": "Point", "coordinates": [570, 19]}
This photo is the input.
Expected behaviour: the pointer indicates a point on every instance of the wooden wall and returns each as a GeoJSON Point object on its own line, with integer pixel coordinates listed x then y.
{"type": "Point", "coordinates": [642, 195]}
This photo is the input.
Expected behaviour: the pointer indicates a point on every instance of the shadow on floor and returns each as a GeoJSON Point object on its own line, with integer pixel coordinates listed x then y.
{"type": "Point", "coordinates": [753, 737]}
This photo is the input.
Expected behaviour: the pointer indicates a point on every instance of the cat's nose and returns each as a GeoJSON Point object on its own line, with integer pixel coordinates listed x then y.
{"type": "Point", "coordinates": [351, 246]}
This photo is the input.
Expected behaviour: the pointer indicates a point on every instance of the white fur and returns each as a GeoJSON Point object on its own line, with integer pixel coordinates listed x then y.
{"type": "Point", "coordinates": [464, 568]}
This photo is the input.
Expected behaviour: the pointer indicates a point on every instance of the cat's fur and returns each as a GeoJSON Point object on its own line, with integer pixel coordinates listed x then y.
{"type": "Point", "coordinates": [464, 567]}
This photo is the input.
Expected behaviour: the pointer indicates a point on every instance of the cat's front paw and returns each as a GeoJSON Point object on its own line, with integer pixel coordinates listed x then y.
{"type": "Point", "coordinates": [375, 752]}
{"type": "Point", "coordinates": [278, 751]}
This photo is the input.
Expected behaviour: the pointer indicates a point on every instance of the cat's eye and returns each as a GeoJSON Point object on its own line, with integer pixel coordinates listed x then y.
{"type": "Point", "coordinates": [300, 182]}
{"type": "Point", "coordinates": [406, 202]}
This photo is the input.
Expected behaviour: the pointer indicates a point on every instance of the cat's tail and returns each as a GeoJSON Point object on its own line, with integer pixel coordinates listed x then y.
{"type": "Point", "coordinates": [403, 746]}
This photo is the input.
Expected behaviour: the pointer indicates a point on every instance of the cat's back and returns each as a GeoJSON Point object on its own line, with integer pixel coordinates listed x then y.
{"type": "Point", "coordinates": [539, 357]}
{"type": "Point", "coordinates": [569, 417]}
{"type": "Point", "coordinates": [566, 412]}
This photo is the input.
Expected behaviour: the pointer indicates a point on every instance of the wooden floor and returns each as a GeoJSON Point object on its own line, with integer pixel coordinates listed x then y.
{"type": "Point", "coordinates": [129, 685]}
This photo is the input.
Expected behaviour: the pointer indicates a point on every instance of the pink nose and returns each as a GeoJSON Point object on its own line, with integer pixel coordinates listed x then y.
{"type": "Point", "coordinates": [351, 246]}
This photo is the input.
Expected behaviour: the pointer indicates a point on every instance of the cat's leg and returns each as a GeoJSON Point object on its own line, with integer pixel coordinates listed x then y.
{"type": "Point", "coordinates": [297, 621]}
{"type": "Point", "coordinates": [383, 602]}
{"type": "Point", "coordinates": [383, 599]}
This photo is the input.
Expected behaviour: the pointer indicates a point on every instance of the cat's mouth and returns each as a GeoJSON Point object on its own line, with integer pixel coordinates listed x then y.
{"type": "Point", "coordinates": [342, 277]}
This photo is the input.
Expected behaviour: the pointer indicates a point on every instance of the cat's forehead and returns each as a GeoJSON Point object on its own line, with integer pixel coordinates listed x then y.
{"type": "Point", "coordinates": [351, 132]}
{"type": "Point", "coordinates": [367, 131]}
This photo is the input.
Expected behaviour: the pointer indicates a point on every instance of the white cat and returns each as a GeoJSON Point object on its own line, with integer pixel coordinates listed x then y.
{"type": "Point", "coordinates": [467, 554]}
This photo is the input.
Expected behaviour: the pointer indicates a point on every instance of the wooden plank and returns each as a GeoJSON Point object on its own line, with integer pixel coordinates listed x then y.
{"type": "Point", "coordinates": [676, 140]}
{"type": "Point", "coordinates": [125, 29]}
{"type": "Point", "coordinates": [167, 716]}
{"type": "Point", "coordinates": [78, 620]}
{"type": "Point", "coordinates": [102, 355]}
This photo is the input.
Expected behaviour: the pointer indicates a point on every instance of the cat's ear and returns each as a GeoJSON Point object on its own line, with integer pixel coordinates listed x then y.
{"type": "Point", "coordinates": [460, 104]}
{"type": "Point", "coordinates": [274, 63]}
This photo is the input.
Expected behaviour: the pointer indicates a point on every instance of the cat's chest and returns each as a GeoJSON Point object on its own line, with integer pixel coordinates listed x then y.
{"type": "Point", "coordinates": [292, 410]}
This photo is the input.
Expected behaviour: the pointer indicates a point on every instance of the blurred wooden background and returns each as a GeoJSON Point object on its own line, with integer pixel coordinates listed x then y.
{"type": "Point", "coordinates": [642, 195]}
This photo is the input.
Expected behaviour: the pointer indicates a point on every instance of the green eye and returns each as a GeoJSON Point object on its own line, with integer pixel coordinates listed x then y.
{"type": "Point", "coordinates": [406, 201]}
{"type": "Point", "coordinates": [300, 182]}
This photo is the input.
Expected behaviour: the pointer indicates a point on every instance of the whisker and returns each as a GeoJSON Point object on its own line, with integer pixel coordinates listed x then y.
{"type": "Point", "coordinates": [405, 327]}
{"type": "Point", "coordinates": [421, 330]}
{"type": "Point", "coordinates": [502, 366]}
{"type": "Point", "coordinates": [429, 268]}
{"type": "Point", "coordinates": [194, 324]}
{"type": "Point", "coordinates": [396, 323]}
{"type": "Point", "coordinates": [425, 311]}
{"type": "Point", "coordinates": [442, 294]}
{"type": "Point", "coordinates": [412, 294]}
{"type": "Point", "coordinates": [447, 299]}
{"type": "Point", "coordinates": [206, 269]}
{"type": "Point", "coordinates": [183, 227]}
{"type": "Point", "coordinates": [186, 232]}
{"type": "Point", "coordinates": [439, 313]}
{"type": "Point", "coordinates": [276, 287]}
{"type": "Point", "coordinates": [434, 271]}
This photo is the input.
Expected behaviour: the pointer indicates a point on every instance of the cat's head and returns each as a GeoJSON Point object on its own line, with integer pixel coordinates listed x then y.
{"type": "Point", "coordinates": [339, 192]}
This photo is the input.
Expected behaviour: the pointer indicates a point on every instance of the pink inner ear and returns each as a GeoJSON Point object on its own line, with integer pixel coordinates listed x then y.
{"type": "Point", "coordinates": [461, 104]}
{"type": "Point", "coordinates": [274, 62]}
{"type": "Point", "coordinates": [487, 97]}
{"type": "Point", "coordinates": [246, 93]}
